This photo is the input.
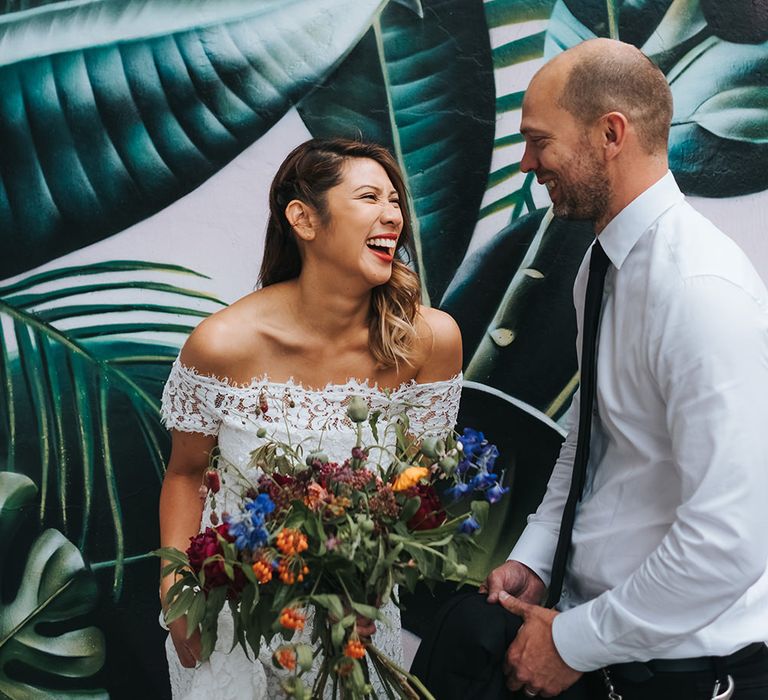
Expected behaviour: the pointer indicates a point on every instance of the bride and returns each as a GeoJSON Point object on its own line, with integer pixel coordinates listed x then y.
{"type": "Point", "coordinates": [337, 315]}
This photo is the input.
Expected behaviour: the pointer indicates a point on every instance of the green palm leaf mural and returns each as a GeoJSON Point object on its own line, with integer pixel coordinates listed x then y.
{"type": "Point", "coordinates": [128, 106]}
{"type": "Point", "coordinates": [423, 86]}
{"type": "Point", "coordinates": [81, 384]}
{"type": "Point", "coordinates": [48, 589]}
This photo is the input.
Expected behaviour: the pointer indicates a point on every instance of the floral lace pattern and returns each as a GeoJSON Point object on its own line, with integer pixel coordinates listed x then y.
{"type": "Point", "coordinates": [294, 414]}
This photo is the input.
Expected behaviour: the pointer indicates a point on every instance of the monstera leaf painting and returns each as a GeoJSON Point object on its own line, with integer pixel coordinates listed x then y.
{"type": "Point", "coordinates": [45, 651]}
{"type": "Point", "coordinates": [128, 105]}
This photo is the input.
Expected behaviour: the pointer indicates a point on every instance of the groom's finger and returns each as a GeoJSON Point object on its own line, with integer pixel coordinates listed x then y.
{"type": "Point", "coordinates": [515, 605]}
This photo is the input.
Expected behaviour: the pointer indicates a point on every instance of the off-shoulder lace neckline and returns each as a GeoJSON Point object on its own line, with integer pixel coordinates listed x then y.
{"type": "Point", "coordinates": [352, 383]}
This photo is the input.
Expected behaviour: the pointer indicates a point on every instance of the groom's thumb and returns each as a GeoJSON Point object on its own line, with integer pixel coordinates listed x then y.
{"type": "Point", "coordinates": [514, 605]}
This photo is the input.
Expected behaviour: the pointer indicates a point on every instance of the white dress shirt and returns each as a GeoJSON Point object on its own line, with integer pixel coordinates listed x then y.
{"type": "Point", "coordinates": [670, 545]}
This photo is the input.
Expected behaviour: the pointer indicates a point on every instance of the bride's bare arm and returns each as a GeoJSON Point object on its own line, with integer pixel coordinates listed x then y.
{"type": "Point", "coordinates": [180, 513]}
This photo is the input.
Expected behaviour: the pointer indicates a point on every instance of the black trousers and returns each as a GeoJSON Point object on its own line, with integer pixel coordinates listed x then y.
{"type": "Point", "coordinates": [462, 657]}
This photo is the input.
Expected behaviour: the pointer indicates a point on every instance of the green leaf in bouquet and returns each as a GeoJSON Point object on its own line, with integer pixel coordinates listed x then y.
{"type": "Point", "coordinates": [337, 633]}
{"type": "Point", "coordinates": [195, 613]}
{"type": "Point", "coordinates": [480, 510]}
{"type": "Point", "coordinates": [250, 596]}
{"type": "Point", "coordinates": [369, 611]}
{"type": "Point", "coordinates": [410, 507]}
{"type": "Point", "coordinates": [373, 421]}
{"type": "Point", "coordinates": [304, 656]}
{"type": "Point", "coordinates": [54, 586]}
{"type": "Point", "coordinates": [411, 578]}
{"type": "Point", "coordinates": [331, 602]}
{"type": "Point", "coordinates": [214, 602]}
{"type": "Point", "coordinates": [179, 605]}
{"type": "Point", "coordinates": [229, 570]}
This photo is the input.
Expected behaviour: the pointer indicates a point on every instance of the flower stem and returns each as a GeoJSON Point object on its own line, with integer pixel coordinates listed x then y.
{"type": "Point", "coordinates": [405, 675]}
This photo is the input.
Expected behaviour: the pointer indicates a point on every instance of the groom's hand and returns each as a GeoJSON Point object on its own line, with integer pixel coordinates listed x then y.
{"type": "Point", "coordinates": [532, 660]}
{"type": "Point", "coordinates": [515, 578]}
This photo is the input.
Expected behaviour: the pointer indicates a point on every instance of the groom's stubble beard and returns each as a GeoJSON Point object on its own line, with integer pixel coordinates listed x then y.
{"type": "Point", "coordinates": [584, 186]}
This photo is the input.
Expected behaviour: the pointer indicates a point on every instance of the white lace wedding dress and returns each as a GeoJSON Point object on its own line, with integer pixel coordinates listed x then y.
{"type": "Point", "coordinates": [197, 403]}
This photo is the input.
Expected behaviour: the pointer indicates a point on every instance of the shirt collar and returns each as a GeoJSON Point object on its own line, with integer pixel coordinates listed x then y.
{"type": "Point", "coordinates": [624, 230]}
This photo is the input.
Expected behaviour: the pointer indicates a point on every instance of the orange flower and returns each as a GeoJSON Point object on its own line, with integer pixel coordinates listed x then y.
{"type": "Point", "coordinates": [291, 542]}
{"type": "Point", "coordinates": [286, 657]}
{"type": "Point", "coordinates": [409, 478]}
{"type": "Point", "coordinates": [289, 573]}
{"type": "Point", "coordinates": [292, 619]}
{"type": "Point", "coordinates": [263, 571]}
{"type": "Point", "coordinates": [354, 649]}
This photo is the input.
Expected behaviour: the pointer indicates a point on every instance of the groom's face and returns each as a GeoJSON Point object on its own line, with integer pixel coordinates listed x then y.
{"type": "Point", "coordinates": [559, 148]}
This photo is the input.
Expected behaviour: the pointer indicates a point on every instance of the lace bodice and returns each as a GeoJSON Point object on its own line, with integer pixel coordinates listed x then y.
{"type": "Point", "coordinates": [195, 402]}
{"type": "Point", "coordinates": [297, 415]}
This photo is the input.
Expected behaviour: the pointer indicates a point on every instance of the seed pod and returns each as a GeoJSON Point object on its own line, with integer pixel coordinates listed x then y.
{"type": "Point", "coordinates": [357, 410]}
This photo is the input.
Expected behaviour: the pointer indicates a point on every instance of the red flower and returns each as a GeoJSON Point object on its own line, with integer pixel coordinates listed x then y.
{"type": "Point", "coordinates": [430, 513]}
{"type": "Point", "coordinates": [206, 544]}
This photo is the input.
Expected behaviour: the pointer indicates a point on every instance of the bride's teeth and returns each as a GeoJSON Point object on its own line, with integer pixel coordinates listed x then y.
{"type": "Point", "coordinates": [381, 242]}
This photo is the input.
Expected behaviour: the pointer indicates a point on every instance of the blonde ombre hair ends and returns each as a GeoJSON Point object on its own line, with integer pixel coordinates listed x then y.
{"type": "Point", "coordinates": [308, 172]}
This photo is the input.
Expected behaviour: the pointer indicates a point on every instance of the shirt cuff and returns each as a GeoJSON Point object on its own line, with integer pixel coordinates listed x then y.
{"type": "Point", "coordinates": [577, 642]}
{"type": "Point", "coordinates": [536, 549]}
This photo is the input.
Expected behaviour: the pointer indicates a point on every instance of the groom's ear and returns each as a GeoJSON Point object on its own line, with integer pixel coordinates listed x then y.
{"type": "Point", "coordinates": [614, 128]}
{"type": "Point", "coordinates": [302, 218]}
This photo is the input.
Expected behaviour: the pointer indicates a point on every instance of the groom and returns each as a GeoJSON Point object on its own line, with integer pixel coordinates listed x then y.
{"type": "Point", "coordinates": [652, 533]}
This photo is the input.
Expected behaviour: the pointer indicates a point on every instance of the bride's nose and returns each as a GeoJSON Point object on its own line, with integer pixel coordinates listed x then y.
{"type": "Point", "coordinates": [391, 214]}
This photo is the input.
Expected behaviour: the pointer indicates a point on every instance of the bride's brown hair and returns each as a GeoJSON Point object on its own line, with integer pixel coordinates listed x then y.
{"type": "Point", "coordinates": [307, 174]}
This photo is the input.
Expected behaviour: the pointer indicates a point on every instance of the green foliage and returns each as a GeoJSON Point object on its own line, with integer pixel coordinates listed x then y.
{"type": "Point", "coordinates": [423, 86]}
{"type": "Point", "coordinates": [128, 106]}
{"type": "Point", "coordinates": [75, 379]}
{"type": "Point", "coordinates": [53, 590]}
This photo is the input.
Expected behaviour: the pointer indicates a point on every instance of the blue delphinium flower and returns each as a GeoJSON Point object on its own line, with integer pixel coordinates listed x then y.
{"type": "Point", "coordinates": [486, 457]}
{"type": "Point", "coordinates": [483, 480]}
{"type": "Point", "coordinates": [458, 491]}
{"type": "Point", "coordinates": [248, 527]}
{"type": "Point", "coordinates": [469, 525]}
{"type": "Point", "coordinates": [495, 493]}
{"type": "Point", "coordinates": [471, 441]}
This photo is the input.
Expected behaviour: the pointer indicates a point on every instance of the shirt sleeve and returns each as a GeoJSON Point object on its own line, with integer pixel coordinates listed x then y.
{"type": "Point", "coordinates": [709, 360]}
{"type": "Point", "coordinates": [537, 544]}
{"type": "Point", "coordinates": [192, 402]}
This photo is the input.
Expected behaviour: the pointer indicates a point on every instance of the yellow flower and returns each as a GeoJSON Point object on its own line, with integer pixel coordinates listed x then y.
{"type": "Point", "coordinates": [409, 478]}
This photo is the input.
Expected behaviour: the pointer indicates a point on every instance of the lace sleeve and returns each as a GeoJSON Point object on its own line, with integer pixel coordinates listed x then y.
{"type": "Point", "coordinates": [433, 406]}
{"type": "Point", "coordinates": [192, 402]}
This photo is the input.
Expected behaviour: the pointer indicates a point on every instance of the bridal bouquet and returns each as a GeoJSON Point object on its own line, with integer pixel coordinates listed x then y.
{"type": "Point", "coordinates": [315, 539]}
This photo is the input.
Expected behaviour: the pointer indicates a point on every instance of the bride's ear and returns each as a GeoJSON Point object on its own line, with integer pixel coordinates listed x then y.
{"type": "Point", "coordinates": [301, 219]}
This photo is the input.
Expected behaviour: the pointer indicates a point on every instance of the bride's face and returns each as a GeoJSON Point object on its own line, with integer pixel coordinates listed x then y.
{"type": "Point", "coordinates": [364, 223]}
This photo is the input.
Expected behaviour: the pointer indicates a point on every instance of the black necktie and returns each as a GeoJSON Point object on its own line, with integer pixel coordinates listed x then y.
{"type": "Point", "coordinates": [598, 264]}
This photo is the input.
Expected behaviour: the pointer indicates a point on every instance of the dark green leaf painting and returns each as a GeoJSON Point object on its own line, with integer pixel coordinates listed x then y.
{"type": "Point", "coordinates": [117, 116]}
{"type": "Point", "coordinates": [45, 651]}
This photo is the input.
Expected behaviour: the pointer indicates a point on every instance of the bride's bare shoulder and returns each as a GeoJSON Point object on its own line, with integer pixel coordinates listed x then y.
{"type": "Point", "coordinates": [441, 339]}
{"type": "Point", "coordinates": [226, 341]}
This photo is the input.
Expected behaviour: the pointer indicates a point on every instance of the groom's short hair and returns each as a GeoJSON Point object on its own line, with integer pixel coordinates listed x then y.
{"type": "Point", "coordinates": [623, 80]}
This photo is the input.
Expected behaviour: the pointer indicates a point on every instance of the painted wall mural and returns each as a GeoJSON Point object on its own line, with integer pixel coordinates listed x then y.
{"type": "Point", "coordinates": [137, 142]}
